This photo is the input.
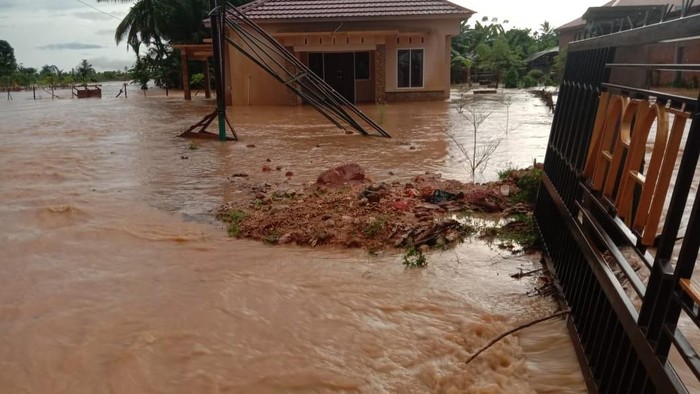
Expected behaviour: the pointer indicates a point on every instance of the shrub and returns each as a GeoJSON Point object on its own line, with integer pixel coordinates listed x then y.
{"type": "Point", "coordinates": [528, 184]}
{"type": "Point", "coordinates": [511, 78]}
{"type": "Point", "coordinates": [414, 258]}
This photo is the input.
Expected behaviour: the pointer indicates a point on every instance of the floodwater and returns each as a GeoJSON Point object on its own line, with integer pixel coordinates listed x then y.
{"type": "Point", "coordinates": [114, 277]}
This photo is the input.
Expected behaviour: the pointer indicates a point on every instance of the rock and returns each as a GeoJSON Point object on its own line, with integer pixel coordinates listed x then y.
{"type": "Point", "coordinates": [363, 202]}
{"type": "Point", "coordinates": [373, 197]}
{"type": "Point", "coordinates": [424, 248]}
{"type": "Point", "coordinates": [375, 187]}
{"type": "Point", "coordinates": [342, 174]}
{"type": "Point", "coordinates": [184, 157]}
{"type": "Point", "coordinates": [318, 145]}
{"type": "Point", "coordinates": [289, 173]}
{"type": "Point", "coordinates": [240, 175]}
{"type": "Point", "coordinates": [260, 195]}
{"type": "Point", "coordinates": [279, 194]}
{"type": "Point", "coordinates": [400, 205]}
{"type": "Point", "coordinates": [268, 160]}
{"type": "Point", "coordinates": [266, 169]}
{"type": "Point", "coordinates": [285, 239]}
{"type": "Point", "coordinates": [278, 168]}
{"type": "Point", "coordinates": [326, 216]}
{"type": "Point", "coordinates": [278, 208]}
{"type": "Point", "coordinates": [291, 193]}
{"type": "Point", "coordinates": [413, 193]}
{"type": "Point", "coordinates": [330, 223]}
{"type": "Point", "coordinates": [412, 147]}
{"type": "Point", "coordinates": [505, 190]}
{"type": "Point", "coordinates": [392, 173]}
{"type": "Point", "coordinates": [250, 146]}
{"type": "Point", "coordinates": [451, 237]}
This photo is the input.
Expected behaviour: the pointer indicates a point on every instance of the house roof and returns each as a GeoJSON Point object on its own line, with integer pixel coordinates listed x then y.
{"type": "Point", "coordinates": [579, 22]}
{"type": "Point", "coordinates": [539, 54]}
{"type": "Point", "coordinates": [334, 9]}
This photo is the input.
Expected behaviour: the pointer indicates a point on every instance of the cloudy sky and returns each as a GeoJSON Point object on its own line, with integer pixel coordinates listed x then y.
{"type": "Point", "coordinates": [62, 32]}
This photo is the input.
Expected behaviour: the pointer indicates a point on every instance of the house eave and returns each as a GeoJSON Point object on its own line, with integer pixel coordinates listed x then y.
{"type": "Point", "coordinates": [461, 17]}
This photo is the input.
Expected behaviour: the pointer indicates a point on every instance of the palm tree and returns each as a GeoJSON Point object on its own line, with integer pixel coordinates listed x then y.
{"type": "Point", "coordinates": [84, 70]}
{"type": "Point", "coordinates": [157, 21]}
{"type": "Point", "coordinates": [546, 29]}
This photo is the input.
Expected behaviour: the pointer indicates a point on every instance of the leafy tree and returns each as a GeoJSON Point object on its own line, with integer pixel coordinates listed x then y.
{"type": "Point", "coordinates": [164, 66]}
{"type": "Point", "coordinates": [84, 71]}
{"type": "Point", "coordinates": [140, 73]}
{"type": "Point", "coordinates": [498, 58]}
{"type": "Point", "coordinates": [491, 48]}
{"type": "Point", "coordinates": [8, 63]}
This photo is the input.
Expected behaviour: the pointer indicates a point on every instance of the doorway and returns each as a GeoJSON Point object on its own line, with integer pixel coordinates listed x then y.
{"type": "Point", "coordinates": [337, 69]}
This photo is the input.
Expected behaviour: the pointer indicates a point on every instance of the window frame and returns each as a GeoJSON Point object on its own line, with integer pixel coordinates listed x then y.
{"type": "Point", "coordinates": [422, 86]}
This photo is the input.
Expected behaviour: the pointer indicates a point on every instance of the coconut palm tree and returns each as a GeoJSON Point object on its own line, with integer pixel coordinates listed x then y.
{"type": "Point", "coordinates": [84, 70]}
{"type": "Point", "coordinates": [157, 21]}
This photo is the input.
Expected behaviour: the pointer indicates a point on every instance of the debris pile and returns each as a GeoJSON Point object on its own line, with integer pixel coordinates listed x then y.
{"type": "Point", "coordinates": [345, 208]}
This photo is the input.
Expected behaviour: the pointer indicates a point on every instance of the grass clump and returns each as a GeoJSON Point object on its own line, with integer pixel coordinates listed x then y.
{"type": "Point", "coordinates": [192, 146]}
{"type": "Point", "coordinates": [528, 184]}
{"type": "Point", "coordinates": [272, 237]}
{"type": "Point", "coordinates": [520, 230]}
{"type": "Point", "coordinates": [374, 227]}
{"type": "Point", "coordinates": [234, 218]}
{"type": "Point", "coordinates": [505, 174]}
{"type": "Point", "coordinates": [414, 258]}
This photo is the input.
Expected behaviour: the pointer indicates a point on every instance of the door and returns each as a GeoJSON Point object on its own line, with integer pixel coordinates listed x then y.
{"type": "Point", "coordinates": [339, 72]}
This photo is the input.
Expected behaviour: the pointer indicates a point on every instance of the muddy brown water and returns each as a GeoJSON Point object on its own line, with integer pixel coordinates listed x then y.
{"type": "Point", "coordinates": [114, 278]}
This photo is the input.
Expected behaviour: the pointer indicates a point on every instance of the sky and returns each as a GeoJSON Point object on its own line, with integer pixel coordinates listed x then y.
{"type": "Point", "coordinates": [63, 32]}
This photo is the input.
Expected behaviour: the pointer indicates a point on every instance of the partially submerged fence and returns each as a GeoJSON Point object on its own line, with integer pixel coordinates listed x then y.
{"type": "Point", "coordinates": [619, 209]}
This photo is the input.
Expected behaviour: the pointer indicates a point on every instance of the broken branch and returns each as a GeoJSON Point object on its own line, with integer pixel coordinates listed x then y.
{"type": "Point", "coordinates": [513, 330]}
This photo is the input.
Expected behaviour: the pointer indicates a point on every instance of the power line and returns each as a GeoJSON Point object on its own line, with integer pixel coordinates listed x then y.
{"type": "Point", "coordinates": [97, 9]}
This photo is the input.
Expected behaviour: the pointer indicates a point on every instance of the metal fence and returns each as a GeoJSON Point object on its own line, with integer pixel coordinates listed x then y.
{"type": "Point", "coordinates": [619, 210]}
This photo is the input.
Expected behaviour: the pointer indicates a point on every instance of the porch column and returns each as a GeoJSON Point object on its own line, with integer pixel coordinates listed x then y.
{"type": "Point", "coordinates": [207, 80]}
{"type": "Point", "coordinates": [185, 75]}
{"type": "Point", "coordinates": [380, 74]}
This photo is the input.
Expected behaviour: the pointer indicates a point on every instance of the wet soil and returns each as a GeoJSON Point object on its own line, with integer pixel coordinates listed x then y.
{"type": "Point", "coordinates": [369, 214]}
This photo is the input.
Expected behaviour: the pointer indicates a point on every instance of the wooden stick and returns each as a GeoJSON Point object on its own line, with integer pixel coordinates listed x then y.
{"type": "Point", "coordinates": [513, 330]}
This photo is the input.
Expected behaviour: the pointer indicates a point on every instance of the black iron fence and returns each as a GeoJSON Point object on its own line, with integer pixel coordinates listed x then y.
{"type": "Point", "coordinates": [619, 210]}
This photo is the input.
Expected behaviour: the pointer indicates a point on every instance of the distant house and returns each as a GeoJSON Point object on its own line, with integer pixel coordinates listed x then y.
{"type": "Point", "coordinates": [617, 14]}
{"type": "Point", "coordinates": [368, 50]}
{"type": "Point", "coordinates": [542, 60]}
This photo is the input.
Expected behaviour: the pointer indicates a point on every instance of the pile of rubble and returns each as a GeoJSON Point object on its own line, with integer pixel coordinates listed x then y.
{"type": "Point", "coordinates": [344, 208]}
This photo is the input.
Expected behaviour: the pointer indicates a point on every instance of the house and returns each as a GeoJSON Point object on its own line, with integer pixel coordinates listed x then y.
{"type": "Point", "coordinates": [617, 14]}
{"type": "Point", "coordinates": [367, 50]}
{"type": "Point", "coordinates": [542, 60]}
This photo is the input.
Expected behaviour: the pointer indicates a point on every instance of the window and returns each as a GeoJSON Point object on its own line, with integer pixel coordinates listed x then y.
{"type": "Point", "coordinates": [410, 68]}
{"type": "Point", "coordinates": [362, 65]}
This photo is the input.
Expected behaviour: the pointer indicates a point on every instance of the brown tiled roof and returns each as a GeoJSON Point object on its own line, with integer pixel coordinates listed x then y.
{"type": "Point", "coordinates": [315, 9]}
{"type": "Point", "coordinates": [579, 22]}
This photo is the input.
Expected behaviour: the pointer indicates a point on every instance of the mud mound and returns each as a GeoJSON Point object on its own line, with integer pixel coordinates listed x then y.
{"type": "Point", "coordinates": [345, 209]}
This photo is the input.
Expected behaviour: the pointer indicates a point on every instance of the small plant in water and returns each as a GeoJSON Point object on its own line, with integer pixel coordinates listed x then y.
{"type": "Point", "coordinates": [192, 146]}
{"type": "Point", "coordinates": [414, 258]}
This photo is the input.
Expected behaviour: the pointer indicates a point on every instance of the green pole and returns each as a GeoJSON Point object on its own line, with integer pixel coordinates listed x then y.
{"type": "Point", "coordinates": [217, 30]}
